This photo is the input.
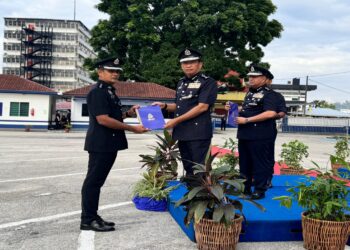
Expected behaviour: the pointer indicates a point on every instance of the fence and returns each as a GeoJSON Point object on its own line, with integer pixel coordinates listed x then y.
{"type": "Point", "coordinates": [319, 125]}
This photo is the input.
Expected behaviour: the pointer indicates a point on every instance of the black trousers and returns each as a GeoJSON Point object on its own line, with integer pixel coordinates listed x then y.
{"type": "Point", "coordinates": [223, 124]}
{"type": "Point", "coordinates": [98, 169]}
{"type": "Point", "coordinates": [256, 161]}
{"type": "Point", "coordinates": [193, 152]}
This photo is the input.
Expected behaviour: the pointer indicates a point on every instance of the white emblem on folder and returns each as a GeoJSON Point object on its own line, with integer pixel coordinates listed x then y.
{"type": "Point", "coordinates": [150, 117]}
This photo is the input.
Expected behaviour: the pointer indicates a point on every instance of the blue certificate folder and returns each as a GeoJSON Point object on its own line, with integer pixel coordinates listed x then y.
{"type": "Point", "coordinates": [151, 117]}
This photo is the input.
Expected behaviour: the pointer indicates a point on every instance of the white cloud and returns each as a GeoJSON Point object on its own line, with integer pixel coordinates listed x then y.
{"type": "Point", "coordinates": [315, 41]}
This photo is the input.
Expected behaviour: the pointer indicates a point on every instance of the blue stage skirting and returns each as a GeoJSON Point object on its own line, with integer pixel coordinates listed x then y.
{"type": "Point", "coordinates": [275, 224]}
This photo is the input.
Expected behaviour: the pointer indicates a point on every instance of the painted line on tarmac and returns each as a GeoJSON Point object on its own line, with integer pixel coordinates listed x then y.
{"type": "Point", "coordinates": [59, 216]}
{"type": "Point", "coordinates": [45, 159]}
{"type": "Point", "coordinates": [57, 176]}
{"type": "Point", "coordinates": [86, 240]}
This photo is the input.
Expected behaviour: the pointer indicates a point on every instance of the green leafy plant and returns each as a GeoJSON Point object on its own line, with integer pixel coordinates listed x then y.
{"type": "Point", "coordinates": [293, 153]}
{"type": "Point", "coordinates": [165, 157]}
{"type": "Point", "coordinates": [342, 150]}
{"type": "Point", "coordinates": [323, 197]}
{"type": "Point", "coordinates": [211, 195]}
{"type": "Point", "coordinates": [230, 160]}
{"type": "Point", "coordinates": [152, 186]}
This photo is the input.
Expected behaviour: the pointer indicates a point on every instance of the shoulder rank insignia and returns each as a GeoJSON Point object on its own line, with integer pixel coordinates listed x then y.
{"type": "Point", "coordinates": [204, 76]}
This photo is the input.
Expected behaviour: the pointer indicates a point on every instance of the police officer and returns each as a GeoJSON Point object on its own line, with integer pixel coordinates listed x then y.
{"type": "Point", "coordinates": [195, 95]}
{"type": "Point", "coordinates": [281, 113]}
{"type": "Point", "coordinates": [257, 132]}
{"type": "Point", "coordinates": [104, 138]}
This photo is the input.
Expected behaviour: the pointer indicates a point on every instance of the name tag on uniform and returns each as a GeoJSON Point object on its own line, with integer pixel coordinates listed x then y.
{"type": "Point", "coordinates": [194, 85]}
{"type": "Point", "coordinates": [258, 95]}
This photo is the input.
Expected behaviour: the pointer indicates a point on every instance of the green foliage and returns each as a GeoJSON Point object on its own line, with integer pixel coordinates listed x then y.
{"type": "Point", "coordinates": [149, 34]}
{"type": "Point", "coordinates": [323, 104]}
{"type": "Point", "coordinates": [166, 155]}
{"type": "Point", "coordinates": [342, 149]}
{"type": "Point", "coordinates": [323, 198]}
{"type": "Point", "coordinates": [293, 153]}
{"type": "Point", "coordinates": [229, 161]}
{"type": "Point", "coordinates": [210, 194]}
{"type": "Point", "coordinates": [152, 186]}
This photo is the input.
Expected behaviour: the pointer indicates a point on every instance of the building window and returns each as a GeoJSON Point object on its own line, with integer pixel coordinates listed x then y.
{"type": "Point", "coordinates": [84, 110]}
{"type": "Point", "coordinates": [19, 109]}
{"type": "Point", "coordinates": [0, 108]}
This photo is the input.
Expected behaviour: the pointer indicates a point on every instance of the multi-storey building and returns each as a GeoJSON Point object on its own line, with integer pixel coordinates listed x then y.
{"type": "Point", "coordinates": [48, 51]}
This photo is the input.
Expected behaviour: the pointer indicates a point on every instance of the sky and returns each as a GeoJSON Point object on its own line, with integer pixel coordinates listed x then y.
{"type": "Point", "coordinates": [315, 41]}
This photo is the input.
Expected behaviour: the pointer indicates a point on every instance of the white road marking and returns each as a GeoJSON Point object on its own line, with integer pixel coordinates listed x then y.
{"type": "Point", "coordinates": [45, 159]}
{"type": "Point", "coordinates": [86, 240]}
{"type": "Point", "coordinates": [57, 176]}
{"type": "Point", "coordinates": [59, 216]}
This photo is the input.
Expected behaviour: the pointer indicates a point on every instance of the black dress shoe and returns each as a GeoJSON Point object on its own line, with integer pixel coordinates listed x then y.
{"type": "Point", "coordinates": [257, 196]}
{"type": "Point", "coordinates": [107, 223]}
{"type": "Point", "coordinates": [97, 226]}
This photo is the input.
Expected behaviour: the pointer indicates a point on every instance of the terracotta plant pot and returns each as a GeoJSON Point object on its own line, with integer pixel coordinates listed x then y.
{"type": "Point", "coordinates": [324, 235]}
{"type": "Point", "coordinates": [292, 171]}
{"type": "Point", "coordinates": [211, 235]}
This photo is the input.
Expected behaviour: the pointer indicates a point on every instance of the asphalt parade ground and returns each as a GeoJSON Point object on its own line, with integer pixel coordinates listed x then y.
{"type": "Point", "coordinates": [41, 174]}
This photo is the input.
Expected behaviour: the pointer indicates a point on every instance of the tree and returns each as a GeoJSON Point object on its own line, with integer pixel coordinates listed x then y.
{"type": "Point", "coordinates": [323, 104]}
{"type": "Point", "coordinates": [148, 35]}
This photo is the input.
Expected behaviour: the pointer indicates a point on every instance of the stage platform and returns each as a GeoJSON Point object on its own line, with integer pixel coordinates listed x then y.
{"type": "Point", "coordinates": [277, 223]}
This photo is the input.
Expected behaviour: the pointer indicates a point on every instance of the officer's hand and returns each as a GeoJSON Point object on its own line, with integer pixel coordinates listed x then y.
{"type": "Point", "coordinates": [241, 120]}
{"type": "Point", "coordinates": [227, 106]}
{"type": "Point", "coordinates": [139, 129]}
{"type": "Point", "coordinates": [171, 123]}
{"type": "Point", "coordinates": [132, 111]}
{"type": "Point", "coordinates": [160, 104]}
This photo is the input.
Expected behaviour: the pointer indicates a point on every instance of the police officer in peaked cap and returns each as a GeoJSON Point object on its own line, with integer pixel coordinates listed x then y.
{"type": "Point", "coordinates": [104, 138]}
{"type": "Point", "coordinates": [257, 132]}
{"type": "Point", "coordinates": [195, 96]}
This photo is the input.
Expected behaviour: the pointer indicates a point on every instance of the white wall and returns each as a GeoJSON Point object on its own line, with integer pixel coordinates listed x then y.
{"type": "Point", "coordinates": [40, 103]}
{"type": "Point", "coordinates": [76, 108]}
{"type": "Point", "coordinates": [80, 122]}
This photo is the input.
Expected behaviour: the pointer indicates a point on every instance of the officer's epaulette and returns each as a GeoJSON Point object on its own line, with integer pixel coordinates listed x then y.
{"type": "Point", "coordinates": [204, 76]}
{"type": "Point", "coordinates": [100, 85]}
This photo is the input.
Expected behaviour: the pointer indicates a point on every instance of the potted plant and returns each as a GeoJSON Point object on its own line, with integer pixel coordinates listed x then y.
{"type": "Point", "coordinates": [229, 160]}
{"type": "Point", "coordinates": [325, 221]}
{"type": "Point", "coordinates": [67, 127]}
{"type": "Point", "coordinates": [211, 203]}
{"type": "Point", "coordinates": [27, 128]}
{"type": "Point", "coordinates": [343, 171]}
{"type": "Point", "coordinates": [150, 193]}
{"type": "Point", "coordinates": [165, 157]}
{"type": "Point", "coordinates": [342, 151]}
{"type": "Point", "coordinates": [292, 155]}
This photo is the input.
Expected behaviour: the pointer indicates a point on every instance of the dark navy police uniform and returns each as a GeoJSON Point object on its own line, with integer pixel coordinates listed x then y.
{"type": "Point", "coordinates": [194, 135]}
{"type": "Point", "coordinates": [256, 139]}
{"type": "Point", "coordinates": [102, 143]}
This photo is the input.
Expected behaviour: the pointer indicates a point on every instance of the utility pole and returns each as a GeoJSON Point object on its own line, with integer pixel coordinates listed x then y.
{"type": "Point", "coordinates": [74, 9]}
{"type": "Point", "coordinates": [306, 88]}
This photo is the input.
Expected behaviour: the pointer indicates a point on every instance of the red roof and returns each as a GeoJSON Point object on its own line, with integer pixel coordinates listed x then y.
{"type": "Point", "coordinates": [14, 83]}
{"type": "Point", "coordinates": [139, 90]}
